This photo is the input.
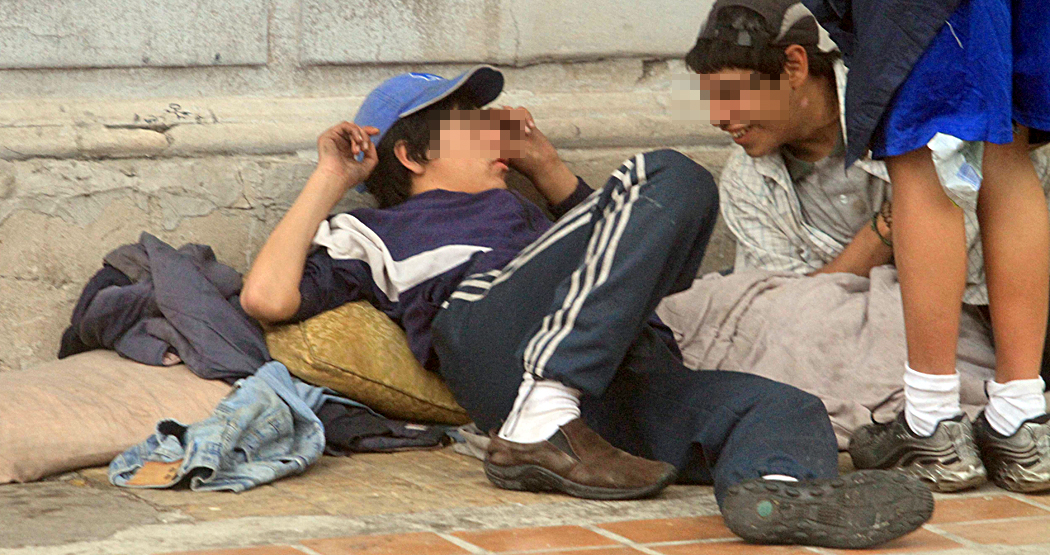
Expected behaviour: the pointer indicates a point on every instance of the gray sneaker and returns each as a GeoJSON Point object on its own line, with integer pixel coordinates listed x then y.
{"type": "Point", "coordinates": [1020, 462]}
{"type": "Point", "coordinates": [946, 461]}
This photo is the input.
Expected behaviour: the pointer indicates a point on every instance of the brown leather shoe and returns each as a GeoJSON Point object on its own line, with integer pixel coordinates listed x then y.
{"type": "Point", "coordinates": [576, 461]}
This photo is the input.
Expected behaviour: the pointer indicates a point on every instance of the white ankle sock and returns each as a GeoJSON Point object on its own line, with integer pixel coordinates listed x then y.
{"type": "Point", "coordinates": [779, 478]}
{"type": "Point", "coordinates": [1013, 402]}
{"type": "Point", "coordinates": [541, 407]}
{"type": "Point", "coordinates": [928, 399]}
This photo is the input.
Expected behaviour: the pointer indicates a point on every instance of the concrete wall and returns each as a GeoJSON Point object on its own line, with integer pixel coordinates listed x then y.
{"type": "Point", "coordinates": [196, 120]}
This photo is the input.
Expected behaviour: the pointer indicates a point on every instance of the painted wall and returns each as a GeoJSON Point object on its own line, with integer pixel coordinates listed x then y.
{"type": "Point", "coordinates": [196, 120]}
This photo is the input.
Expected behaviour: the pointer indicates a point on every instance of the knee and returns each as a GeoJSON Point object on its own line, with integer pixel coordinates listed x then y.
{"type": "Point", "coordinates": [681, 181]}
{"type": "Point", "coordinates": [793, 400]}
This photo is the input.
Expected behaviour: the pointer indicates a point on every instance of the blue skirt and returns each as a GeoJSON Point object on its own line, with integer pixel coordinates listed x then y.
{"type": "Point", "coordinates": [988, 67]}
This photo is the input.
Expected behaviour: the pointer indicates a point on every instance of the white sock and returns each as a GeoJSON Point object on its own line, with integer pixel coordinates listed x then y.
{"type": "Point", "coordinates": [1013, 402]}
{"type": "Point", "coordinates": [541, 407]}
{"type": "Point", "coordinates": [928, 399]}
{"type": "Point", "coordinates": [779, 478]}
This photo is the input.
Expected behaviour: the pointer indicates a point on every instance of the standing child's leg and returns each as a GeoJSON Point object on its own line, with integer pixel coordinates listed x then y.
{"type": "Point", "coordinates": [931, 438]}
{"type": "Point", "coordinates": [1015, 232]}
{"type": "Point", "coordinates": [960, 87]}
{"type": "Point", "coordinates": [930, 253]}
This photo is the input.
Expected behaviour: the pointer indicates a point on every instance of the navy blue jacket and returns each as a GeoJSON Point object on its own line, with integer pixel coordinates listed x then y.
{"type": "Point", "coordinates": [406, 260]}
{"type": "Point", "coordinates": [880, 41]}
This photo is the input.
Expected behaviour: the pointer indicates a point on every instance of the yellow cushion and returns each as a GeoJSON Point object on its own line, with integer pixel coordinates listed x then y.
{"type": "Point", "coordinates": [358, 351]}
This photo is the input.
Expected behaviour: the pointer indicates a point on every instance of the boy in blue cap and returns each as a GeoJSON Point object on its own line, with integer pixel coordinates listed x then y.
{"type": "Point", "coordinates": [545, 331]}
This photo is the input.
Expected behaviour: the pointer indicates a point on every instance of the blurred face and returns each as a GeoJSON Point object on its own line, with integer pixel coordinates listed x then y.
{"type": "Point", "coordinates": [751, 107]}
{"type": "Point", "coordinates": [471, 150]}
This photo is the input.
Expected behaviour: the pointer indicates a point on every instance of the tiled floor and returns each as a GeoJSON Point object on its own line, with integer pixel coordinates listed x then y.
{"type": "Point", "coordinates": [439, 503]}
{"type": "Point", "coordinates": [984, 522]}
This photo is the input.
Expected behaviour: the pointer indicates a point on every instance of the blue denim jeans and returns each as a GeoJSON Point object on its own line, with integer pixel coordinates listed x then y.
{"type": "Point", "coordinates": [263, 430]}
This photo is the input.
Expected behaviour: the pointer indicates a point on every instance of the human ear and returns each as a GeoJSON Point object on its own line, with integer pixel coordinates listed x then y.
{"type": "Point", "coordinates": [797, 65]}
{"type": "Point", "coordinates": [401, 151]}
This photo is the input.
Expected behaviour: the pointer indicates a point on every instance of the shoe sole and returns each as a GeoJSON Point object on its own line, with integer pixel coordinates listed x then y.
{"type": "Point", "coordinates": [1022, 487]}
{"type": "Point", "coordinates": [944, 480]}
{"type": "Point", "coordinates": [931, 469]}
{"type": "Point", "coordinates": [538, 479]}
{"type": "Point", "coordinates": [856, 511]}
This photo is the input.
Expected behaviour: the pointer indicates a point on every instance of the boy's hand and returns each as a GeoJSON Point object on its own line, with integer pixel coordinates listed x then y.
{"type": "Point", "coordinates": [527, 148]}
{"type": "Point", "coordinates": [337, 150]}
{"type": "Point", "coordinates": [530, 152]}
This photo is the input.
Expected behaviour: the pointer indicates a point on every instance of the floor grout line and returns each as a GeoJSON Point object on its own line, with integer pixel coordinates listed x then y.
{"type": "Point", "coordinates": [1030, 500]}
{"type": "Point", "coordinates": [968, 544]}
{"type": "Point", "coordinates": [996, 520]}
{"type": "Point", "coordinates": [305, 549]}
{"type": "Point", "coordinates": [622, 540]}
{"type": "Point", "coordinates": [462, 543]}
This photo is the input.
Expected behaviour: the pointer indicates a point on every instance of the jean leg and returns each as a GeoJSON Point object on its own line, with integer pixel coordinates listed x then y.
{"type": "Point", "coordinates": [716, 427]}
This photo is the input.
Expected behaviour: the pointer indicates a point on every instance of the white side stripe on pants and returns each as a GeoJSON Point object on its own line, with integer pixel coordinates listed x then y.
{"type": "Point", "coordinates": [537, 355]}
{"type": "Point", "coordinates": [555, 322]}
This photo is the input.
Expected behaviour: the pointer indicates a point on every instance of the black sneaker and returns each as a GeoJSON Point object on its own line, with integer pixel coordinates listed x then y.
{"type": "Point", "coordinates": [946, 461]}
{"type": "Point", "coordinates": [855, 511]}
{"type": "Point", "coordinates": [1020, 462]}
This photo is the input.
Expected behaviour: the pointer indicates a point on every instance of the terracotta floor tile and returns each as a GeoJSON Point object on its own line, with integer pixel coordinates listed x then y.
{"type": "Point", "coordinates": [670, 529]}
{"type": "Point", "coordinates": [919, 541]}
{"type": "Point", "coordinates": [522, 539]}
{"type": "Point", "coordinates": [735, 547]}
{"type": "Point", "coordinates": [267, 550]}
{"type": "Point", "coordinates": [1013, 532]}
{"type": "Point", "coordinates": [389, 544]}
{"type": "Point", "coordinates": [599, 551]}
{"type": "Point", "coordinates": [982, 508]}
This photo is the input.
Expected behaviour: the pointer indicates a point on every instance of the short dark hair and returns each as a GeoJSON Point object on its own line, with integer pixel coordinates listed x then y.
{"type": "Point", "coordinates": [711, 55]}
{"type": "Point", "coordinates": [391, 182]}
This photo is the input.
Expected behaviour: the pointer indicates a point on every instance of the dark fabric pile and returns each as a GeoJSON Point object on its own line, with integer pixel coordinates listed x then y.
{"type": "Point", "coordinates": [149, 300]}
{"type": "Point", "coordinates": [151, 303]}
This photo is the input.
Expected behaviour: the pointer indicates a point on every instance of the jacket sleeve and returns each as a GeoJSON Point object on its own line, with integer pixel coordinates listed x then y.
{"type": "Point", "coordinates": [836, 17]}
{"type": "Point", "coordinates": [328, 283]}
{"type": "Point", "coordinates": [579, 195]}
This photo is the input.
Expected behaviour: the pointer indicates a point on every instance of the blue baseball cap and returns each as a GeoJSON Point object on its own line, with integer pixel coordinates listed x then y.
{"type": "Point", "coordinates": [409, 93]}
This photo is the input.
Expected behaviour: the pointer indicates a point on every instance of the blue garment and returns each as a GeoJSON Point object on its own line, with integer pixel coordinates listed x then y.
{"type": "Point", "coordinates": [988, 67]}
{"type": "Point", "coordinates": [880, 42]}
{"type": "Point", "coordinates": [180, 300]}
{"type": "Point", "coordinates": [418, 235]}
{"type": "Point", "coordinates": [573, 307]}
{"type": "Point", "coordinates": [263, 430]}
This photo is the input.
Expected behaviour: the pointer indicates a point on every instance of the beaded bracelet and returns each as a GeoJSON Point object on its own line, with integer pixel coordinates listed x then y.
{"type": "Point", "coordinates": [875, 228]}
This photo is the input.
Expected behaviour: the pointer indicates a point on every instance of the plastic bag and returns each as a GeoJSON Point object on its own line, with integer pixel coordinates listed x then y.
{"type": "Point", "coordinates": [958, 166]}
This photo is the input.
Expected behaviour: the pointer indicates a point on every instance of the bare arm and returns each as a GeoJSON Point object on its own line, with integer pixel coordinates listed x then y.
{"type": "Point", "coordinates": [271, 288]}
{"type": "Point", "coordinates": [863, 253]}
{"type": "Point", "coordinates": [536, 158]}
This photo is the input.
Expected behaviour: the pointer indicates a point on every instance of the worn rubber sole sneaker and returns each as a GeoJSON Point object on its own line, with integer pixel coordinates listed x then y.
{"type": "Point", "coordinates": [855, 511]}
{"type": "Point", "coordinates": [946, 461]}
{"type": "Point", "coordinates": [1020, 462]}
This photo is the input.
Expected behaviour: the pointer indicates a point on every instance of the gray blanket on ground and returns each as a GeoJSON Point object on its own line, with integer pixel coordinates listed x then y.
{"type": "Point", "coordinates": [837, 336]}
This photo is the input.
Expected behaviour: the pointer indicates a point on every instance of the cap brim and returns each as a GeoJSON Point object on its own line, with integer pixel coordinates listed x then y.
{"type": "Point", "coordinates": [484, 82]}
